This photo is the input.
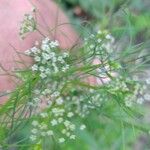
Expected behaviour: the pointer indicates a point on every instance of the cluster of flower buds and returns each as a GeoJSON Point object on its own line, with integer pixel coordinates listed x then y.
{"type": "Point", "coordinates": [28, 25]}
{"type": "Point", "coordinates": [47, 60]}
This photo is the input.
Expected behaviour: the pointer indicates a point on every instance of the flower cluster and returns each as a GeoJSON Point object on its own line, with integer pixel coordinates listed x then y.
{"type": "Point", "coordinates": [47, 58]}
{"type": "Point", "coordinates": [40, 129]}
{"type": "Point", "coordinates": [28, 25]}
{"type": "Point", "coordinates": [101, 47]}
{"type": "Point", "coordinates": [82, 104]}
{"type": "Point", "coordinates": [101, 44]}
{"type": "Point", "coordinates": [130, 89]}
{"type": "Point", "coordinates": [55, 119]}
{"type": "Point", "coordinates": [62, 107]}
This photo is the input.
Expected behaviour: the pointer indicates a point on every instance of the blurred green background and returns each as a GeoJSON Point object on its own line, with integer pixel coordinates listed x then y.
{"type": "Point", "coordinates": [130, 17]}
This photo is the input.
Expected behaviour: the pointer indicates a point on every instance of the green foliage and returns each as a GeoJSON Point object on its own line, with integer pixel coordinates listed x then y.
{"type": "Point", "coordinates": [96, 116]}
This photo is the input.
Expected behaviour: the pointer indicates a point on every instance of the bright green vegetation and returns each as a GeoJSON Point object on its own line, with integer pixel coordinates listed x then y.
{"type": "Point", "coordinates": [78, 114]}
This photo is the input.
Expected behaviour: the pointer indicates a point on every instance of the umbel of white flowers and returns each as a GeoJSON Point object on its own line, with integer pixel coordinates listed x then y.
{"type": "Point", "coordinates": [47, 60]}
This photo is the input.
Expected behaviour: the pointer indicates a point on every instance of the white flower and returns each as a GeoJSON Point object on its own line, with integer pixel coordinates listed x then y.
{"type": "Point", "coordinates": [72, 137]}
{"type": "Point", "coordinates": [85, 39]}
{"type": "Point", "coordinates": [60, 120]}
{"type": "Point", "coordinates": [46, 56]}
{"type": "Point", "coordinates": [92, 46]}
{"type": "Point", "coordinates": [108, 36]}
{"type": "Point", "coordinates": [44, 115]}
{"type": "Point", "coordinates": [60, 58]}
{"type": "Point", "coordinates": [43, 75]}
{"type": "Point", "coordinates": [70, 114]}
{"type": "Point", "coordinates": [72, 127]}
{"type": "Point", "coordinates": [41, 68]}
{"type": "Point", "coordinates": [54, 44]}
{"type": "Point", "coordinates": [50, 132]}
{"type": "Point", "coordinates": [128, 103]}
{"type": "Point", "coordinates": [147, 97]}
{"type": "Point", "coordinates": [59, 101]}
{"type": "Point", "coordinates": [64, 131]}
{"type": "Point", "coordinates": [47, 71]}
{"type": "Point", "coordinates": [99, 32]}
{"type": "Point", "coordinates": [54, 61]}
{"type": "Point", "coordinates": [33, 137]}
{"type": "Point", "coordinates": [68, 134]}
{"type": "Point", "coordinates": [36, 99]}
{"type": "Point", "coordinates": [148, 81]}
{"type": "Point", "coordinates": [46, 40]}
{"type": "Point", "coordinates": [45, 47]}
{"type": "Point", "coordinates": [36, 91]}
{"type": "Point", "coordinates": [34, 50]}
{"type": "Point", "coordinates": [30, 17]}
{"type": "Point", "coordinates": [43, 126]}
{"type": "Point", "coordinates": [55, 94]}
{"type": "Point", "coordinates": [66, 67]}
{"type": "Point", "coordinates": [52, 54]}
{"type": "Point", "coordinates": [82, 127]}
{"type": "Point", "coordinates": [67, 123]}
{"type": "Point", "coordinates": [58, 112]}
{"type": "Point", "coordinates": [30, 28]}
{"type": "Point", "coordinates": [37, 58]}
{"type": "Point", "coordinates": [46, 91]}
{"type": "Point", "coordinates": [43, 61]}
{"type": "Point", "coordinates": [34, 67]}
{"type": "Point", "coordinates": [99, 40]}
{"type": "Point", "coordinates": [54, 110]}
{"type": "Point", "coordinates": [92, 36]}
{"type": "Point", "coordinates": [140, 100]}
{"type": "Point", "coordinates": [54, 122]}
{"type": "Point", "coordinates": [34, 131]}
{"type": "Point", "coordinates": [65, 54]}
{"type": "Point", "coordinates": [61, 140]}
{"type": "Point", "coordinates": [35, 123]}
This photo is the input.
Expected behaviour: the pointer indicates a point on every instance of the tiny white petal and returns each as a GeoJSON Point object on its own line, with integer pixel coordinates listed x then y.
{"type": "Point", "coordinates": [33, 137]}
{"type": "Point", "coordinates": [147, 97]}
{"type": "Point", "coordinates": [35, 123]}
{"type": "Point", "coordinates": [34, 131]}
{"type": "Point", "coordinates": [61, 140]}
{"type": "Point", "coordinates": [54, 122]}
{"type": "Point", "coordinates": [72, 137]}
{"type": "Point", "coordinates": [92, 46]}
{"type": "Point", "coordinates": [82, 127]}
{"type": "Point", "coordinates": [148, 81]}
{"type": "Point", "coordinates": [99, 32]}
{"type": "Point", "coordinates": [70, 114]}
{"type": "Point", "coordinates": [140, 100]}
{"type": "Point", "coordinates": [50, 132]}
{"type": "Point", "coordinates": [128, 103]}
{"type": "Point", "coordinates": [59, 101]}
{"type": "Point", "coordinates": [99, 40]}
{"type": "Point", "coordinates": [60, 120]}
